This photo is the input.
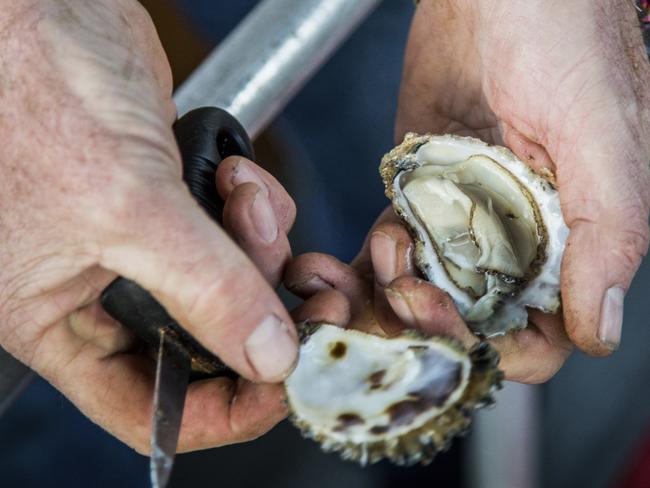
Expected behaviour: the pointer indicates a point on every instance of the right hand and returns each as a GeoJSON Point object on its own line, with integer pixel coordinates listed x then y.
{"type": "Point", "coordinates": [91, 188]}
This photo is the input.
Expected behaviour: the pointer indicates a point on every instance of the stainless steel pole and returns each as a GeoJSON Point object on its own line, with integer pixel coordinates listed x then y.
{"type": "Point", "coordinates": [256, 71]}
{"type": "Point", "coordinates": [503, 448]}
{"type": "Point", "coordinates": [253, 74]}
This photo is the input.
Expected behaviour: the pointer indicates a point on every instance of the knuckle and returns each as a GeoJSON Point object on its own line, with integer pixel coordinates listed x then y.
{"type": "Point", "coordinates": [622, 228]}
{"type": "Point", "coordinates": [301, 269]}
{"type": "Point", "coordinates": [632, 244]}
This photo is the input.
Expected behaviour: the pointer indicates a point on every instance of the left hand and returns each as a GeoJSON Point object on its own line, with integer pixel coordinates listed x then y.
{"type": "Point", "coordinates": [565, 85]}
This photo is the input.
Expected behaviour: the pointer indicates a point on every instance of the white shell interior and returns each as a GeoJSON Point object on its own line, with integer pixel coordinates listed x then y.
{"type": "Point", "coordinates": [353, 387]}
{"type": "Point", "coordinates": [542, 292]}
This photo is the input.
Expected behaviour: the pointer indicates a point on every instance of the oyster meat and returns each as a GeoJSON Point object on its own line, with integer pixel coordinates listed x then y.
{"type": "Point", "coordinates": [488, 230]}
{"type": "Point", "coordinates": [401, 398]}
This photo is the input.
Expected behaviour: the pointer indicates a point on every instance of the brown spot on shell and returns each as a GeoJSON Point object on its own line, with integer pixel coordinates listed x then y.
{"type": "Point", "coordinates": [376, 378]}
{"type": "Point", "coordinates": [348, 419]}
{"type": "Point", "coordinates": [433, 395]}
{"type": "Point", "coordinates": [404, 412]}
{"type": "Point", "coordinates": [380, 429]}
{"type": "Point", "coordinates": [338, 350]}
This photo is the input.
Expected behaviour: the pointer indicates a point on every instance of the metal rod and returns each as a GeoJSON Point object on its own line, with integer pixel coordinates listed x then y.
{"type": "Point", "coordinates": [252, 74]}
{"type": "Point", "coordinates": [263, 63]}
{"type": "Point", "coordinates": [504, 444]}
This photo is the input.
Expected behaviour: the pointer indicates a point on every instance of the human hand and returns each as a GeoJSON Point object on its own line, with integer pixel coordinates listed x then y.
{"type": "Point", "coordinates": [565, 85]}
{"type": "Point", "coordinates": [379, 292]}
{"type": "Point", "coordinates": [90, 188]}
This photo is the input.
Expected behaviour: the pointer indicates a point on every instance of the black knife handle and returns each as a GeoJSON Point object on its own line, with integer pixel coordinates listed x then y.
{"type": "Point", "coordinates": [205, 137]}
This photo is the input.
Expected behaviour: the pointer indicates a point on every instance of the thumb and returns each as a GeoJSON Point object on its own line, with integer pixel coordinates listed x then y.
{"type": "Point", "coordinates": [605, 197]}
{"type": "Point", "coordinates": [169, 246]}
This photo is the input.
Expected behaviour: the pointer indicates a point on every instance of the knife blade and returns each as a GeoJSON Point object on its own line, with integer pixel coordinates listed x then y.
{"type": "Point", "coordinates": [205, 137]}
{"type": "Point", "coordinates": [173, 368]}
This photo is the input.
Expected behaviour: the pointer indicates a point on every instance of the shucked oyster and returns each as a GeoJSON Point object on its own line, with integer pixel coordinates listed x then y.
{"type": "Point", "coordinates": [488, 230]}
{"type": "Point", "coordinates": [401, 398]}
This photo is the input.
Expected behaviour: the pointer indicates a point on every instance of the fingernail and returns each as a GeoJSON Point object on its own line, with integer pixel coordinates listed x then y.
{"type": "Point", "coordinates": [400, 307]}
{"type": "Point", "coordinates": [611, 317]}
{"type": "Point", "coordinates": [271, 349]}
{"type": "Point", "coordinates": [384, 257]}
{"type": "Point", "coordinates": [243, 173]}
{"type": "Point", "coordinates": [263, 218]}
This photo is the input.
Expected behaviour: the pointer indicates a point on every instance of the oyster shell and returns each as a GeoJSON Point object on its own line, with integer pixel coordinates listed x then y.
{"type": "Point", "coordinates": [488, 230]}
{"type": "Point", "coordinates": [401, 398]}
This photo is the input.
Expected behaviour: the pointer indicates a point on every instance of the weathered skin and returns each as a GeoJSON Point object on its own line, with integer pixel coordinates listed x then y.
{"type": "Point", "coordinates": [90, 187]}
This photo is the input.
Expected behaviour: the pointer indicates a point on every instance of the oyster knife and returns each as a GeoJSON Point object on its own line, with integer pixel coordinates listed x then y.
{"type": "Point", "coordinates": [173, 368]}
{"type": "Point", "coordinates": [205, 137]}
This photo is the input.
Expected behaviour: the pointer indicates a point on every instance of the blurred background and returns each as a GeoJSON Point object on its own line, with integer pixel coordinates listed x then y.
{"type": "Point", "coordinates": [588, 427]}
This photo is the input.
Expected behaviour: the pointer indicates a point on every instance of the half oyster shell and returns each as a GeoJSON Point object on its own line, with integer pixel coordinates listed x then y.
{"type": "Point", "coordinates": [401, 398]}
{"type": "Point", "coordinates": [488, 230]}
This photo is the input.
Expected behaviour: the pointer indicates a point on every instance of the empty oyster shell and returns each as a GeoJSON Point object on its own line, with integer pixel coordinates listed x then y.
{"type": "Point", "coordinates": [401, 398]}
{"type": "Point", "coordinates": [488, 230]}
